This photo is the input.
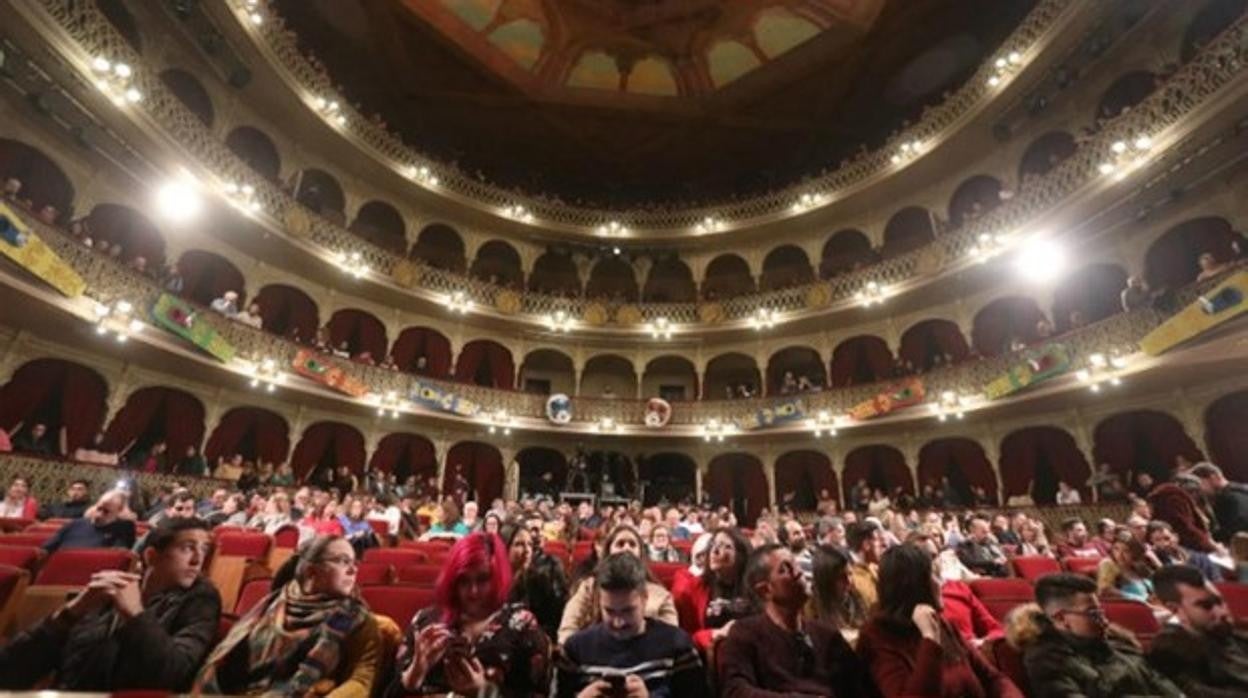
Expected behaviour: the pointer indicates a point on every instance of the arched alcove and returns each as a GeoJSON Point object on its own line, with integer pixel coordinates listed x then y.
{"type": "Point", "coordinates": [1225, 433]}
{"type": "Point", "coordinates": [670, 281]}
{"type": "Point", "coordinates": [1126, 92]}
{"type": "Point", "coordinates": [880, 467]}
{"type": "Point", "coordinates": [486, 363]}
{"type": "Point", "coordinates": [555, 273]}
{"type": "Point", "coordinates": [801, 362]}
{"type": "Point", "coordinates": [1004, 321]}
{"type": "Point", "coordinates": [499, 263]}
{"type": "Point", "coordinates": [670, 377]}
{"type": "Point", "coordinates": [133, 231]}
{"type": "Point", "coordinates": [1088, 295]}
{"type": "Point", "coordinates": [118, 15]}
{"type": "Point", "coordinates": [1215, 17]}
{"type": "Point", "coordinates": [327, 445]}
{"type": "Point", "coordinates": [477, 465]}
{"type": "Point", "coordinates": [206, 276]}
{"type": "Point", "coordinates": [731, 371]}
{"type": "Point", "coordinates": [737, 481]}
{"type": "Point", "coordinates": [1035, 459]}
{"type": "Point", "coordinates": [609, 375]}
{"type": "Point", "coordinates": [861, 360]}
{"type": "Point", "coordinates": [441, 247]}
{"type": "Point", "coordinates": [907, 230]}
{"type": "Point", "coordinates": [1045, 153]}
{"type": "Point", "coordinates": [406, 455]}
{"type": "Point", "coordinates": [727, 276]}
{"type": "Point", "coordinates": [288, 312]}
{"type": "Point", "coordinates": [960, 464]}
{"type": "Point", "coordinates": [547, 371]}
{"type": "Point", "coordinates": [358, 332]}
{"type": "Point", "coordinates": [1142, 441]}
{"type": "Point", "coordinates": [58, 394]}
{"type": "Point", "coordinates": [801, 477]}
{"type": "Point", "coordinates": [784, 267]}
{"type": "Point", "coordinates": [254, 433]}
{"type": "Point", "coordinates": [321, 193]}
{"type": "Point", "coordinates": [191, 93]}
{"type": "Point", "coordinates": [612, 278]}
{"type": "Point", "coordinates": [382, 225]}
{"type": "Point", "coordinates": [845, 250]}
{"type": "Point", "coordinates": [422, 351]}
{"type": "Point", "coordinates": [931, 343]}
{"type": "Point", "coordinates": [666, 477]}
{"type": "Point", "coordinates": [543, 471]}
{"type": "Point", "coordinates": [257, 151]}
{"type": "Point", "coordinates": [157, 414]}
{"type": "Point", "coordinates": [1173, 259]}
{"type": "Point", "coordinates": [43, 181]}
{"type": "Point", "coordinates": [974, 198]}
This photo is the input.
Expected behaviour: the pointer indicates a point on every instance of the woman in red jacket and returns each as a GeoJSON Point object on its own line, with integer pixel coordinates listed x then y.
{"type": "Point", "coordinates": [910, 650]}
{"type": "Point", "coordinates": [709, 604]}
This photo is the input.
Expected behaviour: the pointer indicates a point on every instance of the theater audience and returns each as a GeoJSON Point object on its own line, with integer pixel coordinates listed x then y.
{"type": "Point", "coordinates": [1164, 545]}
{"type": "Point", "coordinates": [980, 552]}
{"type": "Point", "coordinates": [1173, 503]}
{"type": "Point", "coordinates": [276, 514]}
{"type": "Point", "coordinates": [1128, 570]}
{"type": "Point", "coordinates": [77, 499]}
{"type": "Point", "coordinates": [1076, 542]}
{"type": "Point", "coordinates": [18, 503]}
{"type": "Point", "coordinates": [192, 463]}
{"type": "Point", "coordinates": [355, 527]}
{"type": "Point", "coordinates": [1202, 652]}
{"type": "Point", "coordinates": [227, 304]}
{"type": "Point", "coordinates": [793, 535]}
{"type": "Point", "coordinates": [449, 522]}
{"type": "Point", "coordinates": [866, 543]}
{"type": "Point", "coordinates": [960, 607]}
{"type": "Point", "coordinates": [1070, 649]}
{"type": "Point", "coordinates": [709, 605]}
{"type": "Point", "coordinates": [1229, 500]}
{"type": "Point", "coordinates": [659, 548]}
{"type": "Point", "coordinates": [836, 600]}
{"type": "Point", "coordinates": [582, 608]}
{"type": "Point", "coordinates": [101, 526]}
{"type": "Point", "coordinates": [537, 579]}
{"type": "Point", "coordinates": [471, 641]}
{"type": "Point", "coordinates": [127, 631]}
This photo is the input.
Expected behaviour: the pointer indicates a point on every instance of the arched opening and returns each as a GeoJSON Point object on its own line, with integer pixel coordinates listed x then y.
{"type": "Point", "coordinates": [609, 376]}
{"type": "Point", "coordinates": [670, 281]}
{"type": "Point", "coordinates": [612, 279]}
{"type": "Point", "coordinates": [880, 468]}
{"type": "Point", "coordinates": [930, 344]}
{"type": "Point", "coordinates": [441, 247]}
{"type": "Point", "coordinates": [974, 198]}
{"type": "Point", "coordinates": [908, 230]}
{"type": "Point", "coordinates": [1088, 295]}
{"type": "Point", "coordinates": [1224, 432]}
{"type": "Point", "coordinates": [845, 251]}
{"type": "Point", "coordinates": [795, 369]}
{"type": "Point", "coordinates": [1211, 21]}
{"type": "Point", "coordinates": [359, 333]}
{"type": "Point", "coordinates": [131, 231]}
{"type": "Point", "coordinates": [785, 267]}
{"type": "Point", "coordinates": [486, 363]}
{"type": "Point", "coordinates": [1045, 153]}
{"type": "Point", "coordinates": [288, 312]}
{"type": "Point", "coordinates": [731, 376]}
{"type": "Point", "coordinates": [191, 93]}
{"type": "Point", "coordinates": [382, 225]}
{"type": "Point", "coordinates": [406, 455]}
{"type": "Point", "coordinates": [737, 481]}
{"type": "Point", "coordinates": [554, 273]}
{"type": "Point", "coordinates": [670, 377]}
{"type": "Point", "coordinates": [959, 467]}
{"type": "Point", "coordinates": [498, 263]}
{"type": "Point", "coordinates": [257, 151]}
{"type": "Point", "coordinates": [69, 399]}
{"type": "Point", "coordinates": [254, 433]}
{"type": "Point", "coordinates": [206, 276]}
{"type": "Point", "coordinates": [1173, 260]}
{"type": "Point", "coordinates": [157, 414]}
{"type": "Point", "coordinates": [423, 351]}
{"type": "Point", "coordinates": [1145, 441]}
{"type": "Point", "coordinates": [119, 16]}
{"type": "Point", "coordinates": [803, 478]}
{"type": "Point", "coordinates": [547, 371]}
{"type": "Point", "coordinates": [321, 193]}
{"type": "Point", "coordinates": [861, 360]}
{"type": "Point", "coordinates": [474, 472]}
{"type": "Point", "coordinates": [727, 276]}
{"type": "Point", "coordinates": [543, 472]}
{"type": "Point", "coordinates": [1035, 459]}
{"type": "Point", "coordinates": [667, 478]}
{"type": "Point", "coordinates": [323, 448]}
{"type": "Point", "coordinates": [43, 182]}
{"type": "Point", "coordinates": [1006, 322]}
{"type": "Point", "coordinates": [1126, 92]}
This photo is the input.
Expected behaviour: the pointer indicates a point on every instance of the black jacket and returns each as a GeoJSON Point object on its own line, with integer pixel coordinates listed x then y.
{"type": "Point", "coordinates": [161, 648]}
{"type": "Point", "coordinates": [1230, 509]}
{"type": "Point", "coordinates": [1201, 666]}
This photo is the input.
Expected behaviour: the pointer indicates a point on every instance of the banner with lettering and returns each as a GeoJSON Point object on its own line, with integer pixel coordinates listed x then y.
{"type": "Point", "coordinates": [437, 398]}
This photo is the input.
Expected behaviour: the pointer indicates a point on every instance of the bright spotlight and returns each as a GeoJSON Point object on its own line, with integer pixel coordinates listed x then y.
{"type": "Point", "coordinates": [178, 199]}
{"type": "Point", "coordinates": [1040, 260]}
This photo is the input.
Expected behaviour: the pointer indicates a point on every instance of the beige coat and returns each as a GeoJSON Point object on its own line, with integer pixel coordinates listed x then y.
{"type": "Point", "coordinates": [582, 609]}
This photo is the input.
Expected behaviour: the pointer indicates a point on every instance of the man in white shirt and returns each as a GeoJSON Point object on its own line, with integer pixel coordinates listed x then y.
{"type": "Point", "coordinates": [227, 304]}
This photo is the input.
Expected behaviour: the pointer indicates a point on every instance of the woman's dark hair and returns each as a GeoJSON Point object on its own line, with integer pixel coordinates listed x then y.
{"type": "Point", "coordinates": [734, 587]}
{"type": "Point", "coordinates": [309, 553]}
{"type": "Point", "coordinates": [828, 566]}
{"type": "Point", "coordinates": [906, 582]}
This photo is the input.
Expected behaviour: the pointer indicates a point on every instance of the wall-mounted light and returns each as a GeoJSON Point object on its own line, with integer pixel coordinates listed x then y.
{"type": "Point", "coordinates": [1125, 155]}
{"type": "Point", "coordinates": [516, 212]}
{"type": "Point", "coordinates": [178, 199]}
{"type": "Point", "coordinates": [243, 196]}
{"type": "Point", "coordinates": [716, 430]}
{"type": "Point", "coordinates": [330, 109]}
{"type": "Point", "coordinates": [389, 404]}
{"type": "Point", "coordinates": [559, 321]}
{"type": "Point", "coordinates": [710, 224]}
{"type": "Point", "coordinates": [763, 319]}
{"type": "Point", "coordinates": [116, 79]}
{"type": "Point", "coordinates": [871, 294]}
{"type": "Point", "coordinates": [951, 403]}
{"type": "Point", "coordinates": [907, 151]}
{"type": "Point", "coordinates": [1004, 67]}
{"type": "Point", "coordinates": [500, 422]}
{"type": "Point", "coordinates": [117, 318]}
{"type": "Point", "coordinates": [986, 246]}
{"type": "Point", "coordinates": [660, 328]}
{"type": "Point", "coordinates": [421, 174]}
{"type": "Point", "coordinates": [606, 425]}
{"type": "Point", "coordinates": [823, 423]}
{"type": "Point", "coordinates": [1040, 260]}
{"type": "Point", "coordinates": [807, 201]}
{"type": "Point", "coordinates": [1101, 370]}
{"type": "Point", "coordinates": [267, 373]}
{"type": "Point", "coordinates": [612, 229]}
{"type": "Point", "coordinates": [353, 263]}
{"type": "Point", "coordinates": [457, 302]}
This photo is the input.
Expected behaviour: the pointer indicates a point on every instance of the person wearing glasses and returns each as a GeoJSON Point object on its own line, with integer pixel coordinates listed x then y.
{"type": "Point", "coordinates": [309, 634]}
{"type": "Point", "coordinates": [780, 652]}
{"type": "Point", "coordinates": [1201, 651]}
{"type": "Point", "coordinates": [1070, 649]}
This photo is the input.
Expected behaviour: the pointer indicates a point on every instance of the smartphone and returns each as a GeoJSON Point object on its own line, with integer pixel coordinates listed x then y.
{"type": "Point", "coordinates": [617, 684]}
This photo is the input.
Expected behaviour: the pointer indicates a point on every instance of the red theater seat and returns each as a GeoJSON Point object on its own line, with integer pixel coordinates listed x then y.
{"type": "Point", "coordinates": [23, 556]}
{"type": "Point", "coordinates": [1083, 565]}
{"type": "Point", "coordinates": [75, 567]}
{"type": "Point", "coordinates": [1008, 588]}
{"type": "Point", "coordinates": [374, 574]}
{"type": "Point", "coordinates": [399, 557]}
{"type": "Point", "coordinates": [229, 528]}
{"type": "Point", "coordinates": [555, 548]}
{"type": "Point", "coordinates": [400, 603]}
{"type": "Point", "coordinates": [1008, 661]}
{"type": "Point", "coordinates": [1035, 567]}
{"type": "Point", "coordinates": [666, 571]}
{"type": "Point", "coordinates": [13, 525]}
{"type": "Point", "coordinates": [1236, 596]}
{"type": "Point", "coordinates": [419, 575]}
{"type": "Point", "coordinates": [247, 544]}
{"type": "Point", "coordinates": [1001, 607]}
{"type": "Point", "coordinates": [31, 539]}
{"type": "Point", "coordinates": [253, 593]}
{"type": "Point", "coordinates": [1134, 616]}
{"type": "Point", "coordinates": [286, 537]}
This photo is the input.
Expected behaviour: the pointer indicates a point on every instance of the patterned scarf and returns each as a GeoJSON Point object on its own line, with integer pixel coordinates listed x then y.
{"type": "Point", "coordinates": [292, 640]}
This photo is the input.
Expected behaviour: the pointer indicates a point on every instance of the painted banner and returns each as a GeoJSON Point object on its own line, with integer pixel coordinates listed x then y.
{"type": "Point", "coordinates": [1224, 302]}
{"type": "Point", "coordinates": [32, 254]}
{"type": "Point", "coordinates": [311, 365]}
{"type": "Point", "coordinates": [559, 409]}
{"type": "Point", "coordinates": [904, 394]}
{"type": "Point", "coordinates": [181, 318]}
{"type": "Point", "coordinates": [438, 398]}
{"type": "Point", "coordinates": [791, 410]}
{"type": "Point", "coordinates": [1040, 365]}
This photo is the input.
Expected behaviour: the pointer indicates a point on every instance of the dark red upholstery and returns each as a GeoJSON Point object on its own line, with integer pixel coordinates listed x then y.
{"type": "Point", "coordinates": [381, 528]}
{"type": "Point", "coordinates": [13, 525]}
{"type": "Point", "coordinates": [1007, 588]}
{"type": "Point", "coordinates": [75, 567]}
{"type": "Point", "coordinates": [1082, 565]}
{"type": "Point", "coordinates": [35, 539]}
{"type": "Point", "coordinates": [229, 528]}
{"type": "Point", "coordinates": [399, 557]}
{"type": "Point", "coordinates": [253, 546]}
{"type": "Point", "coordinates": [1008, 660]}
{"type": "Point", "coordinates": [253, 592]}
{"type": "Point", "coordinates": [23, 556]}
{"type": "Point", "coordinates": [400, 603]}
{"type": "Point", "coordinates": [425, 575]}
{"type": "Point", "coordinates": [1134, 616]}
{"type": "Point", "coordinates": [1000, 607]}
{"type": "Point", "coordinates": [1236, 596]}
{"type": "Point", "coordinates": [555, 548]}
{"type": "Point", "coordinates": [666, 571]}
{"type": "Point", "coordinates": [1033, 568]}
{"type": "Point", "coordinates": [286, 537]}
{"type": "Point", "coordinates": [374, 574]}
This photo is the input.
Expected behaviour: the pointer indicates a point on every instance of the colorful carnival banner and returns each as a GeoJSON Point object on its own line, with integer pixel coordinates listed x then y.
{"type": "Point", "coordinates": [1040, 365]}
{"type": "Point", "coordinates": [32, 254]}
{"type": "Point", "coordinates": [904, 394]}
{"type": "Point", "coordinates": [316, 367]}
{"type": "Point", "coordinates": [182, 319]}
{"type": "Point", "coordinates": [778, 413]}
{"type": "Point", "coordinates": [1226, 301]}
{"type": "Point", "coordinates": [437, 398]}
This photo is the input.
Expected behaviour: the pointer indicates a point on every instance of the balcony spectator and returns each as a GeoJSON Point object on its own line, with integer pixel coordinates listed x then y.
{"type": "Point", "coordinates": [18, 503]}
{"type": "Point", "coordinates": [77, 499]}
{"type": "Point", "coordinates": [12, 188]}
{"type": "Point", "coordinates": [96, 452]}
{"type": "Point", "coordinates": [1201, 651]}
{"type": "Point", "coordinates": [155, 459]}
{"type": "Point", "coordinates": [192, 463]}
{"type": "Point", "coordinates": [101, 526]}
{"type": "Point", "coordinates": [1209, 266]}
{"type": "Point", "coordinates": [1067, 495]}
{"type": "Point", "coordinates": [36, 442]}
{"type": "Point", "coordinates": [227, 304]}
{"type": "Point", "coordinates": [172, 279]}
{"type": "Point", "coordinates": [251, 316]}
{"type": "Point", "coordinates": [1136, 295]}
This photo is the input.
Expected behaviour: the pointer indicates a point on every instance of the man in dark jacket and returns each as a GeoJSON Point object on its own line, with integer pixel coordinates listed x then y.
{"type": "Point", "coordinates": [1229, 499]}
{"type": "Point", "coordinates": [1174, 505]}
{"type": "Point", "coordinates": [1069, 649]}
{"type": "Point", "coordinates": [100, 527]}
{"type": "Point", "coordinates": [980, 553]}
{"type": "Point", "coordinates": [1202, 652]}
{"type": "Point", "coordinates": [77, 499]}
{"type": "Point", "coordinates": [126, 631]}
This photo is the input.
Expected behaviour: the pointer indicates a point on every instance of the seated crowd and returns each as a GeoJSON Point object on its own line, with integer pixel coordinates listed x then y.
{"type": "Point", "coordinates": [535, 597]}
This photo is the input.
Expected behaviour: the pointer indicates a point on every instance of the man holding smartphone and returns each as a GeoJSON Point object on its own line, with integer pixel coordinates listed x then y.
{"type": "Point", "coordinates": [628, 655]}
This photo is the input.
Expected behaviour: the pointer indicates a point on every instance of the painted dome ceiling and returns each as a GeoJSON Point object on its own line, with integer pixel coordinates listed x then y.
{"type": "Point", "coordinates": [623, 102]}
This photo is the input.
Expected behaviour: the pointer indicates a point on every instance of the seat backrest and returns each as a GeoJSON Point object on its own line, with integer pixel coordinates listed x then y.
{"type": "Point", "coordinates": [423, 575]}
{"type": "Point", "coordinates": [1032, 568]}
{"type": "Point", "coordinates": [10, 524]}
{"type": "Point", "coordinates": [35, 539]}
{"type": "Point", "coordinates": [23, 556]}
{"type": "Point", "coordinates": [1236, 596]}
{"type": "Point", "coordinates": [399, 603]}
{"type": "Point", "coordinates": [1000, 607]}
{"type": "Point", "coordinates": [75, 567]}
{"type": "Point", "coordinates": [374, 573]}
{"type": "Point", "coordinates": [248, 544]}
{"type": "Point", "coordinates": [253, 592]}
{"type": "Point", "coordinates": [665, 571]}
{"type": "Point", "coordinates": [398, 557]}
{"type": "Point", "coordinates": [1134, 616]}
{"type": "Point", "coordinates": [1004, 588]}
{"type": "Point", "coordinates": [229, 528]}
{"type": "Point", "coordinates": [1083, 565]}
{"type": "Point", "coordinates": [1008, 660]}
{"type": "Point", "coordinates": [381, 528]}
{"type": "Point", "coordinates": [286, 537]}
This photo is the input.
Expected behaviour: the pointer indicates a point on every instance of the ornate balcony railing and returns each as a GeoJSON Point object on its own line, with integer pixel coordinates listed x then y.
{"type": "Point", "coordinates": [49, 477]}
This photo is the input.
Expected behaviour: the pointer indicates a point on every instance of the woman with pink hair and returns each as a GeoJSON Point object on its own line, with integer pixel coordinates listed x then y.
{"type": "Point", "coordinates": [471, 640]}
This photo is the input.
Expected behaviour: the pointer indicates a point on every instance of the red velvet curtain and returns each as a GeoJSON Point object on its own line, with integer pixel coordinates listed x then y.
{"type": "Point", "coordinates": [670, 475]}
{"type": "Point", "coordinates": [287, 312]}
{"type": "Point", "coordinates": [737, 480]}
{"type": "Point", "coordinates": [59, 394]}
{"type": "Point", "coordinates": [481, 465]}
{"type": "Point", "coordinates": [1226, 435]}
{"type": "Point", "coordinates": [415, 342]}
{"type": "Point", "coordinates": [881, 466]}
{"type": "Point", "coordinates": [925, 340]}
{"type": "Point", "coordinates": [152, 414]}
{"type": "Point", "coordinates": [405, 454]}
{"type": "Point", "coordinates": [43, 181]}
{"type": "Point", "coordinates": [207, 276]}
{"type": "Point", "coordinates": [328, 444]}
{"type": "Point", "coordinates": [803, 475]}
{"type": "Point", "coordinates": [1035, 458]}
{"type": "Point", "coordinates": [1003, 320]}
{"type": "Point", "coordinates": [1142, 440]}
{"type": "Point", "coordinates": [962, 461]}
{"type": "Point", "coordinates": [861, 360]}
{"type": "Point", "coordinates": [256, 433]}
{"type": "Point", "coordinates": [486, 363]}
{"type": "Point", "coordinates": [360, 330]}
